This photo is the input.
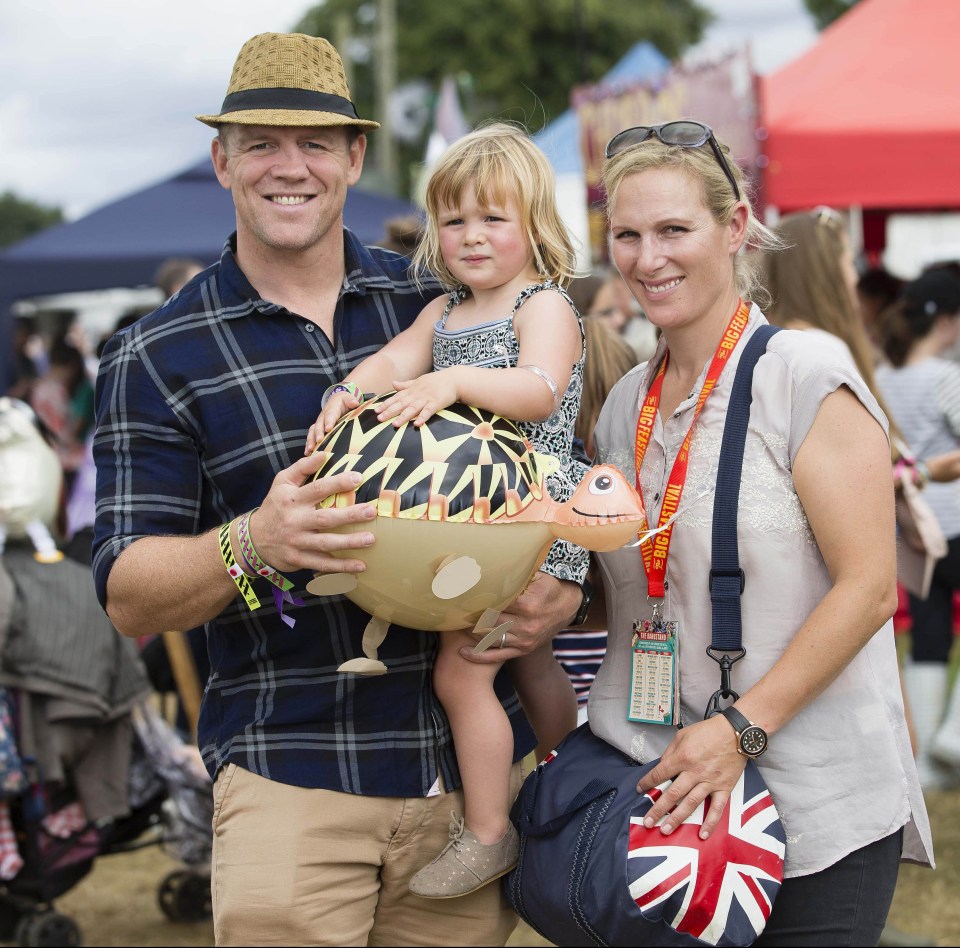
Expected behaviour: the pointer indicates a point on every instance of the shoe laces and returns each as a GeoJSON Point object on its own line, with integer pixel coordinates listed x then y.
{"type": "Point", "coordinates": [456, 833]}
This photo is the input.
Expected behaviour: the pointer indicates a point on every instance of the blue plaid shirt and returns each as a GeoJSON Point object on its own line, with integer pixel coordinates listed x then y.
{"type": "Point", "coordinates": [199, 406]}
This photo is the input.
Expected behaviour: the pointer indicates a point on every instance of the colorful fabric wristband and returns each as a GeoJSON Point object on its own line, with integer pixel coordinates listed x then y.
{"type": "Point", "coordinates": [253, 559]}
{"type": "Point", "coordinates": [236, 573]}
{"type": "Point", "coordinates": [351, 388]}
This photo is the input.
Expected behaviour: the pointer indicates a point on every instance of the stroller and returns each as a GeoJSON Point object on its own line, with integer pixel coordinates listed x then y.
{"type": "Point", "coordinates": [89, 767]}
{"type": "Point", "coordinates": [170, 805]}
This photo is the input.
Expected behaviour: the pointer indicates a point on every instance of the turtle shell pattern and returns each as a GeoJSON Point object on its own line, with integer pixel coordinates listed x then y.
{"type": "Point", "coordinates": [463, 465]}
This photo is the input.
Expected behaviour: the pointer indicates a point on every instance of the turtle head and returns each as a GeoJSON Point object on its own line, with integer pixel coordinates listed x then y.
{"type": "Point", "coordinates": [603, 514]}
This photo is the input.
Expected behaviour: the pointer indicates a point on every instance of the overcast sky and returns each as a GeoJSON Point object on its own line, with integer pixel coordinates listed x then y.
{"type": "Point", "coordinates": [97, 97]}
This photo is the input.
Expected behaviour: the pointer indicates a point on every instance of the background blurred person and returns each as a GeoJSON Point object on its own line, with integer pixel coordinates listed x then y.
{"type": "Point", "coordinates": [27, 367]}
{"type": "Point", "coordinates": [174, 273]}
{"type": "Point", "coordinates": [583, 290]}
{"type": "Point", "coordinates": [922, 389]}
{"type": "Point", "coordinates": [876, 290]}
{"type": "Point", "coordinates": [613, 305]}
{"type": "Point", "coordinates": [402, 234]}
{"type": "Point", "coordinates": [812, 284]}
{"type": "Point", "coordinates": [62, 399]}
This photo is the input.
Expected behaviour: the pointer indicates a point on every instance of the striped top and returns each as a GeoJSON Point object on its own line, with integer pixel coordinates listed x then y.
{"type": "Point", "coordinates": [580, 652]}
{"type": "Point", "coordinates": [199, 405]}
{"type": "Point", "coordinates": [924, 399]}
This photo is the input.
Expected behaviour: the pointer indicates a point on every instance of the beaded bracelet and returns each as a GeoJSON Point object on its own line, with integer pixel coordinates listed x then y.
{"type": "Point", "coordinates": [351, 388]}
{"type": "Point", "coordinates": [236, 573]}
{"type": "Point", "coordinates": [252, 558]}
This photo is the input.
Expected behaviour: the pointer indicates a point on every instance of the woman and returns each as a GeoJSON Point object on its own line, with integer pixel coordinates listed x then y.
{"type": "Point", "coordinates": [816, 539]}
{"type": "Point", "coordinates": [812, 284]}
{"type": "Point", "coordinates": [922, 387]}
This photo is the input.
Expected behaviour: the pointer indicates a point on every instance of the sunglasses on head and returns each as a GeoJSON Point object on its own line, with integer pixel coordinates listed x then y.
{"type": "Point", "coordinates": [827, 215]}
{"type": "Point", "coordinates": [683, 134]}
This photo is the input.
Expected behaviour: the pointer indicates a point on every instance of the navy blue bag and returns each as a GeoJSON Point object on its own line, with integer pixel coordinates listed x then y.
{"type": "Point", "coordinates": [588, 872]}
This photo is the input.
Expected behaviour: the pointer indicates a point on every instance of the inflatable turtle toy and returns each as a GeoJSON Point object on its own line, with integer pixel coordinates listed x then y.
{"type": "Point", "coordinates": [464, 520]}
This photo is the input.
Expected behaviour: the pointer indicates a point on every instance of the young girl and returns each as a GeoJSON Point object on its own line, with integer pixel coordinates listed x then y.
{"type": "Point", "coordinates": [507, 339]}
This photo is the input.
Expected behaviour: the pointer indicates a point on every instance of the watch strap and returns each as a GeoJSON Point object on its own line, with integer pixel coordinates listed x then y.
{"type": "Point", "coordinates": [737, 721]}
{"type": "Point", "coordinates": [586, 587]}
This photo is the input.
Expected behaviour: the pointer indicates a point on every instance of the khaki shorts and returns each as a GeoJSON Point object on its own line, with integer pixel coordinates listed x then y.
{"type": "Point", "coordinates": [294, 866]}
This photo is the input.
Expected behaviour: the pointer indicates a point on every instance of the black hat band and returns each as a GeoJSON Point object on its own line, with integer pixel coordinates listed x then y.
{"type": "Point", "coordinates": [292, 100]}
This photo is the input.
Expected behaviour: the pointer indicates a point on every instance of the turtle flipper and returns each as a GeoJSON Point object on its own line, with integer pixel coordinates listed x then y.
{"type": "Point", "coordinates": [494, 635]}
{"type": "Point", "coordinates": [373, 636]}
{"type": "Point", "coordinates": [332, 584]}
{"type": "Point", "coordinates": [456, 575]}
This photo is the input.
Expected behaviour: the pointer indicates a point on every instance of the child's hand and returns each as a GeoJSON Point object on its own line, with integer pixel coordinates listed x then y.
{"type": "Point", "coordinates": [337, 406]}
{"type": "Point", "coordinates": [416, 400]}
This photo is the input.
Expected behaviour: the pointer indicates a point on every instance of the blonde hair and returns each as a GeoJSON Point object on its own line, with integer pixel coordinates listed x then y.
{"type": "Point", "coordinates": [499, 161]}
{"type": "Point", "coordinates": [807, 284]}
{"type": "Point", "coordinates": [608, 358]}
{"type": "Point", "coordinates": [717, 193]}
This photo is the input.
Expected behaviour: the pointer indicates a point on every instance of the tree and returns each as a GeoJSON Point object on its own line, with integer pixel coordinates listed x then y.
{"type": "Point", "coordinates": [514, 59]}
{"type": "Point", "coordinates": [20, 218]}
{"type": "Point", "coordinates": [824, 12]}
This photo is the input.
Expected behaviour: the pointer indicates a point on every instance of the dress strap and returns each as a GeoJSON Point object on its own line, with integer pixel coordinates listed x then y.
{"type": "Point", "coordinates": [525, 294]}
{"type": "Point", "coordinates": [454, 299]}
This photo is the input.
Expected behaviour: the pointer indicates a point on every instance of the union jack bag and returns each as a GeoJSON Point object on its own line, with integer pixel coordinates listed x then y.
{"type": "Point", "coordinates": [590, 873]}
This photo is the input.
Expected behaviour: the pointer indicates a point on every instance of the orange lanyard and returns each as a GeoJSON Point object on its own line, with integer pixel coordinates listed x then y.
{"type": "Point", "coordinates": [655, 549]}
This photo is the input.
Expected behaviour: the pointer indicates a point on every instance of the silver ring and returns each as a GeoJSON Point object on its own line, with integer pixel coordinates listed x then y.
{"type": "Point", "coordinates": [503, 638]}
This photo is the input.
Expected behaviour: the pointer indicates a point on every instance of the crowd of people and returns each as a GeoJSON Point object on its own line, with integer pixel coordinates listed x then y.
{"type": "Point", "coordinates": [333, 793]}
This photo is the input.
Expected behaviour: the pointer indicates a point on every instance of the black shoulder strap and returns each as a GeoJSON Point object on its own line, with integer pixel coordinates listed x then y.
{"type": "Point", "coordinates": [726, 576]}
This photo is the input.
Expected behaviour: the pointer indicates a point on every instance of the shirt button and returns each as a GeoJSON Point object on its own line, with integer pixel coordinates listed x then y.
{"type": "Point", "coordinates": [310, 327]}
{"type": "Point", "coordinates": [656, 496]}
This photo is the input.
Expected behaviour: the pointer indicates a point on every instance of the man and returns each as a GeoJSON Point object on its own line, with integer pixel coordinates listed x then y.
{"type": "Point", "coordinates": [331, 790]}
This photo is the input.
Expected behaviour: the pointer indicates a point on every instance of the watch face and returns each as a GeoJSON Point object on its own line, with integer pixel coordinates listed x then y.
{"type": "Point", "coordinates": [753, 741]}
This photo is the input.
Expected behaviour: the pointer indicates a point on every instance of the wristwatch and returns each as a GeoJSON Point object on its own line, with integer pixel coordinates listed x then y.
{"type": "Point", "coordinates": [752, 739]}
{"type": "Point", "coordinates": [586, 587]}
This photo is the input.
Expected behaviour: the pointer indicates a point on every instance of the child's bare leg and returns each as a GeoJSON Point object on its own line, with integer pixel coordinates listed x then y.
{"type": "Point", "coordinates": [482, 736]}
{"type": "Point", "coordinates": [547, 696]}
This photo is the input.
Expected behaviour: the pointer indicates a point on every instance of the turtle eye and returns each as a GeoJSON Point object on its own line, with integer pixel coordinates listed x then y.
{"type": "Point", "coordinates": [602, 484]}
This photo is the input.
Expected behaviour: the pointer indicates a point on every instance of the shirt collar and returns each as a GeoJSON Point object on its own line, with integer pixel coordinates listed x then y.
{"type": "Point", "coordinates": [362, 272]}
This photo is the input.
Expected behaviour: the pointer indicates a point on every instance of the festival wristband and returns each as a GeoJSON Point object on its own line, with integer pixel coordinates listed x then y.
{"type": "Point", "coordinates": [236, 573]}
{"type": "Point", "coordinates": [252, 558]}
{"type": "Point", "coordinates": [351, 388]}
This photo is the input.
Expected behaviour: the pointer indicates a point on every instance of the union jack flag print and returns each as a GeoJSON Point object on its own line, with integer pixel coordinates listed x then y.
{"type": "Point", "coordinates": [720, 890]}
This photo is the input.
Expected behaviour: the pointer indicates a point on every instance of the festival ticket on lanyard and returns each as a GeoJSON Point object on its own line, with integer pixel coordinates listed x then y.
{"type": "Point", "coordinates": [654, 683]}
{"type": "Point", "coordinates": [654, 686]}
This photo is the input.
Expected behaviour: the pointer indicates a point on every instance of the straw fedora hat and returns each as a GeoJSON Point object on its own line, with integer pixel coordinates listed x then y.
{"type": "Point", "coordinates": [288, 79]}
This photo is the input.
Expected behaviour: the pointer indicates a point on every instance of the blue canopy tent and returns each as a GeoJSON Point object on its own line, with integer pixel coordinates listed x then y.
{"type": "Point", "coordinates": [122, 243]}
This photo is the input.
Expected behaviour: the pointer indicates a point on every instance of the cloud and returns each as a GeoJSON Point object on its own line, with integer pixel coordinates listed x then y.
{"type": "Point", "coordinates": [97, 98]}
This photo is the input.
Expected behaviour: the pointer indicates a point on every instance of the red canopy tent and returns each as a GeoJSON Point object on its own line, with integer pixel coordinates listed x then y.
{"type": "Point", "coordinates": [870, 116]}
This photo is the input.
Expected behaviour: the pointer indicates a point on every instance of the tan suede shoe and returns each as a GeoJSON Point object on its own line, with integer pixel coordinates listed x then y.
{"type": "Point", "coordinates": [466, 864]}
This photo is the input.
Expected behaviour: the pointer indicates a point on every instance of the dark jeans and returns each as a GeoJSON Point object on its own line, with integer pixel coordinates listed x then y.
{"type": "Point", "coordinates": [931, 619]}
{"type": "Point", "coordinates": [844, 904]}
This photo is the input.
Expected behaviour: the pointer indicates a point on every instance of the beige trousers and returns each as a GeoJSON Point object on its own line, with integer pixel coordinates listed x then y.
{"type": "Point", "coordinates": [293, 866]}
